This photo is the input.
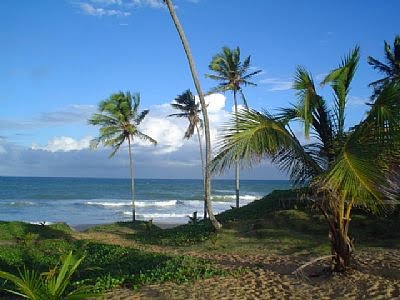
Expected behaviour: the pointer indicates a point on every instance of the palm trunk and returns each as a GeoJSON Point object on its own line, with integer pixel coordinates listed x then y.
{"type": "Point", "coordinates": [207, 173]}
{"type": "Point", "coordinates": [341, 247]}
{"type": "Point", "coordinates": [341, 244]}
{"type": "Point", "coordinates": [202, 168]}
{"type": "Point", "coordinates": [237, 177]}
{"type": "Point", "coordinates": [132, 180]}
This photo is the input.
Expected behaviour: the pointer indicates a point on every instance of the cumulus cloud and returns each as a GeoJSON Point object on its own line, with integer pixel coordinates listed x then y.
{"type": "Point", "coordinates": [64, 144]}
{"type": "Point", "coordinates": [276, 84]}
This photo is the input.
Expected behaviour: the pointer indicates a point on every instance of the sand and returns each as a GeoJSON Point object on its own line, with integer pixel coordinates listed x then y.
{"type": "Point", "coordinates": [376, 276]}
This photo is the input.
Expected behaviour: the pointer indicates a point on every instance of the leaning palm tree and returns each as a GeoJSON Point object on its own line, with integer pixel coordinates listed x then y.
{"type": "Point", "coordinates": [119, 119]}
{"type": "Point", "coordinates": [344, 167]}
{"type": "Point", "coordinates": [391, 69]}
{"type": "Point", "coordinates": [232, 75]}
{"type": "Point", "coordinates": [189, 109]}
{"type": "Point", "coordinates": [207, 173]}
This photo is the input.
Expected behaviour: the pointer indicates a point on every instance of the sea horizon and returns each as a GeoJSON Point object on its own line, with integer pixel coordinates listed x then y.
{"type": "Point", "coordinates": [84, 200]}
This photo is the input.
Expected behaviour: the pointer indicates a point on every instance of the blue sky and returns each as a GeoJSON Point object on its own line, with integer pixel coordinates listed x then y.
{"type": "Point", "coordinates": [61, 57]}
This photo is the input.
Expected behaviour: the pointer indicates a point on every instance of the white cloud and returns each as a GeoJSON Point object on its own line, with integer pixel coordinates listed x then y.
{"type": "Point", "coordinates": [64, 144]}
{"type": "Point", "coordinates": [107, 2]}
{"type": "Point", "coordinates": [91, 10]}
{"type": "Point", "coordinates": [276, 84]}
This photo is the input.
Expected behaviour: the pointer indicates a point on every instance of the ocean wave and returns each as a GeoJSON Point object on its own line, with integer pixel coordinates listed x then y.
{"type": "Point", "coordinates": [41, 223]}
{"type": "Point", "coordinates": [112, 204]}
{"type": "Point", "coordinates": [156, 215]}
{"type": "Point", "coordinates": [21, 203]}
{"type": "Point", "coordinates": [156, 203]}
{"type": "Point", "coordinates": [108, 204]}
{"type": "Point", "coordinates": [233, 197]}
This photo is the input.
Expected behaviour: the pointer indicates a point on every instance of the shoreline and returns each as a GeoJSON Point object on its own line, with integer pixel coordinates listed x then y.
{"type": "Point", "coordinates": [83, 227]}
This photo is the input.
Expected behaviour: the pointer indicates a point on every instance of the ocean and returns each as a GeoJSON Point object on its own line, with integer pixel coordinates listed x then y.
{"type": "Point", "coordinates": [79, 201]}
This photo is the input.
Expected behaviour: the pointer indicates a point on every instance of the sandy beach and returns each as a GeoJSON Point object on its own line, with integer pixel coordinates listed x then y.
{"type": "Point", "coordinates": [376, 276]}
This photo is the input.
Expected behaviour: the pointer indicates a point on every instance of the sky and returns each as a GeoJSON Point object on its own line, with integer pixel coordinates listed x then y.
{"type": "Point", "coordinates": [60, 58]}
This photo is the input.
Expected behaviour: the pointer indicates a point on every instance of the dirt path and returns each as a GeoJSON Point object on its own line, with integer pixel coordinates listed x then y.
{"type": "Point", "coordinates": [376, 276]}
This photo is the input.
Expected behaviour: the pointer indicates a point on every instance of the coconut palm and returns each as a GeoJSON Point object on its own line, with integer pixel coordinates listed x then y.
{"type": "Point", "coordinates": [119, 119]}
{"type": "Point", "coordinates": [345, 168]}
{"type": "Point", "coordinates": [207, 173]}
{"type": "Point", "coordinates": [391, 69]}
{"type": "Point", "coordinates": [53, 285]}
{"type": "Point", "coordinates": [232, 75]}
{"type": "Point", "coordinates": [189, 109]}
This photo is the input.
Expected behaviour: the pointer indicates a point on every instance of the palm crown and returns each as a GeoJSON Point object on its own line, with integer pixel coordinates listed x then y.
{"type": "Point", "coordinates": [391, 69]}
{"type": "Point", "coordinates": [119, 119]}
{"type": "Point", "coordinates": [186, 103]}
{"type": "Point", "coordinates": [231, 72]}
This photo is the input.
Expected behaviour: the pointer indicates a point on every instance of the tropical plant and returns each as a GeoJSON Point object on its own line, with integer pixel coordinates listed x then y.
{"type": "Point", "coordinates": [119, 119]}
{"type": "Point", "coordinates": [53, 285]}
{"type": "Point", "coordinates": [391, 69]}
{"type": "Point", "coordinates": [344, 168]}
{"type": "Point", "coordinates": [207, 172]}
{"type": "Point", "coordinates": [189, 109]}
{"type": "Point", "coordinates": [232, 75]}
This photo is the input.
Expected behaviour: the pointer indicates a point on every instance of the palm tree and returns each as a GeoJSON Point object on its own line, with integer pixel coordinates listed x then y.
{"type": "Point", "coordinates": [190, 110]}
{"type": "Point", "coordinates": [391, 69]}
{"type": "Point", "coordinates": [232, 75]}
{"type": "Point", "coordinates": [119, 119]}
{"type": "Point", "coordinates": [344, 168]}
{"type": "Point", "coordinates": [207, 173]}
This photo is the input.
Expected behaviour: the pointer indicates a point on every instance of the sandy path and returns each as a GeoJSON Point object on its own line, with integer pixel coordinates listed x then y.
{"type": "Point", "coordinates": [376, 276]}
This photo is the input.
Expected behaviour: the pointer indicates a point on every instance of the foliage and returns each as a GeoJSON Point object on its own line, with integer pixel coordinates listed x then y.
{"type": "Point", "coordinates": [344, 168]}
{"type": "Point", "coordinates": [183, 235]}
{"type": "Point", "coordinates": [231, 72]}
{"type": "Point", "coordinates": [391, 67]}
{"type": "Point", "coordinates": [180, 269]}
{"type": "Point", "coordinates": [51, 285]}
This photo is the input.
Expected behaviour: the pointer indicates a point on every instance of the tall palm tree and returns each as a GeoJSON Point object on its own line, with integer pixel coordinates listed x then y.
{"type": "Point", "coordinates": [189, 109]}
{"type": "Point", "coordinates": [207, 173]}
{"type": "Point", "coordinates": [232, 75]}
{"type": "Point", "coordinates": [391, 69]}
{"type": "Point", "coordinates": [344, 168]}
{"type": "Point", "coordinates": [119, 119]}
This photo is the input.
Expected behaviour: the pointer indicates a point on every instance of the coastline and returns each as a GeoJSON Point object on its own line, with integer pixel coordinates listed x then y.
{"type": "Point", "coordinates": [162, 225]}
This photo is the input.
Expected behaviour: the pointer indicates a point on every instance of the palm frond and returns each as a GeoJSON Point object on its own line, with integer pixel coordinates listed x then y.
{"type": "Point", "coordinates": [252, 136]}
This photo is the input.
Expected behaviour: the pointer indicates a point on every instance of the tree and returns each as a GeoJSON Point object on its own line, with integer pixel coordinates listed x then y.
{"type": "Point", "coordinates": [391, 69]}
{"type": "Point", "coordinates": [207, 173]}
{"type": "Point", "coordinates": [119, 119]}
{"type": "Point", "coordinates": [190, 110]}
{"type": "Point", "coordinates": [232, 75]}
{"type": "Point", "coordinates": [344, 168]}
{"type": "Point", "coordinates": [53, 285]}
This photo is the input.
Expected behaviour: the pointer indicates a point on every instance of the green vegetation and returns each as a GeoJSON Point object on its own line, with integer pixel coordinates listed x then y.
{"type": "Point", "coordinates": [391, 69]}
{"type": "Point", "coordinates": [52, 285]}
{"type": "Point", "coordinates": [344, 168]}
{"type": "Point", "coordinates": [119, 119]}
